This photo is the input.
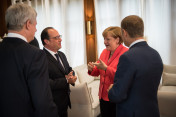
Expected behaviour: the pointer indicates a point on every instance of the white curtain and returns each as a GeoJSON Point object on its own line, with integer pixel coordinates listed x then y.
{"type": "Point", "coordinates": [66, 16]}
{"type": "Point", "coordinates": [159, 21]}
{"type": "Point", "coordinates": [107, 14]}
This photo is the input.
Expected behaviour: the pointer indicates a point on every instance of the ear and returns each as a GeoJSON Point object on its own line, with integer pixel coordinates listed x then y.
{"type": "Point", "coordinates": [28, 24]}
{"type": "Point", "coordinates": [124, 32]}
{"type": "Point", "coordinates": [46, 41]}
{"type": "Point", "coordinates": [117, 40]}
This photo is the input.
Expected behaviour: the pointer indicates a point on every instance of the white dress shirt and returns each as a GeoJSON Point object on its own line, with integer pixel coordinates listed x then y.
{"type": "Point", "coordinates": [137, 41]}
{"type": "Point", "coordinates": [53, 54]}
{"type": "Point", "coordinates": [17, 36]}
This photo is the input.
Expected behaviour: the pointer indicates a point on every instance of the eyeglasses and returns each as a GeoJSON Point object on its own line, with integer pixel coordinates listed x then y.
{"type": "Point", "coordinates": [57, 37]}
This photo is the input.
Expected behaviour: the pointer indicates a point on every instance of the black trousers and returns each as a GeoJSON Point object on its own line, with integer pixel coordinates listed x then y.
{"type": "Point", "coordinates": [107, 108]}
{"type": "Point", "coordinates": [63, 114]}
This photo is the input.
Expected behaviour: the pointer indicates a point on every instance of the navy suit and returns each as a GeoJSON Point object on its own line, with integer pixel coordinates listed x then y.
{"type": "Point", "coordinates": [59, 86]}
{"type": "Point", "coordinates": [24, 81]}
{"type": "Point", "coordinates": [136, 82]}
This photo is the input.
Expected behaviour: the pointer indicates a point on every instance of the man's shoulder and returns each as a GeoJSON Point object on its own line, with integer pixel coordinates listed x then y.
{"type": "Point", "coordinates": [13, 40]}
{"type": "Point", "coordinates": [131, 54]}
{"type": "Point", "coordinates": [61, 53]}
{"type": "Point", "coordinates": [31, 48]}
{"type": "Point", "coordinates": [19, 45]}
{"type": "Point", "coordinates": [30, 51]}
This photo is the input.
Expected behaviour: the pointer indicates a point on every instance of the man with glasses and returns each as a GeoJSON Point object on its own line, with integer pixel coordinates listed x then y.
{"type": "Point", "coordinates": [60, 72]}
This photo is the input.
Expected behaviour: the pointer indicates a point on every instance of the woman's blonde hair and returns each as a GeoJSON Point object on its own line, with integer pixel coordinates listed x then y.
{"type": "Point", "coordinates": [114, 31]}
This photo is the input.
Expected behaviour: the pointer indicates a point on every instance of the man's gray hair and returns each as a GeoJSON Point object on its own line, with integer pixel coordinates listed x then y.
{"type": "Point", "coordinates": [17, 15]}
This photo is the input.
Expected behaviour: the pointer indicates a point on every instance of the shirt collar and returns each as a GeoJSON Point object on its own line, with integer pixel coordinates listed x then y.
{"type": "Point", "coordinates": [51, 52]}
{"type": "Point", "coordinates": [137, 41]}
{"type": "Point", "coordinates": [16, 35]}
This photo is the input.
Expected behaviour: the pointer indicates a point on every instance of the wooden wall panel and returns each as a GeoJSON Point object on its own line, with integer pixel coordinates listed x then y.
{"type": "Point", "coordinates": [91, 40]}
{"type": "Point", "coordinates": [3, 7]}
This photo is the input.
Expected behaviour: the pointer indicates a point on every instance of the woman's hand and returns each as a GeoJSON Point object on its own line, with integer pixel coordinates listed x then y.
{"type": "Point", "coordinates": [111, 85]}
{"type": "Point", "coordinates": [101, 65]}
{"type": "Point", "coordinates": [90, 66]}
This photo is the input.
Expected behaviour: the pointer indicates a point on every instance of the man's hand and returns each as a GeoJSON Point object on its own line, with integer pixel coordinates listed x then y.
{"type": "Point", "coordinates": [70, 78]}
{"type": "Point", "coordinates": [101, 65]}
{"type": "Point", "coordinates": [111, 85]}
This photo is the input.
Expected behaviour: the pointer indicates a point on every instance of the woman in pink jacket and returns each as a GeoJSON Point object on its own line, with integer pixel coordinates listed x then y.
{"type": "Point", "coordinates": [106, 67]}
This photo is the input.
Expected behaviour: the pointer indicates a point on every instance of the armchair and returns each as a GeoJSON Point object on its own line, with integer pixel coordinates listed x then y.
{"type": "Point", "coordinates": [167, 92]}
{"type": "Point", "coordinates": [84, 95]}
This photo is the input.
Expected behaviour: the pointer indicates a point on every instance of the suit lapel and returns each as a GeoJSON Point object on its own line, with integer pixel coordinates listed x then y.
{"type": "Point", "coordinates": [116, 53]}
{"type": "Point", "coordinates": [63, 61]}
{"type": "Point", "coordinates": [55, 62]}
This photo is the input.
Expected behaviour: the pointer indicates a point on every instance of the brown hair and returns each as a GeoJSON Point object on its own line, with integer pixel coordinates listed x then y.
{"type": "Point", "coordinates": [134, 25]}
{"type": "Point", "coordinates": [114, 31]}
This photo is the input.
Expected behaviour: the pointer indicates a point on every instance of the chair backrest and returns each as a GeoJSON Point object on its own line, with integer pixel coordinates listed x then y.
{"type": "Point", "coordinates": [80, 94]}
{"type": "Point", "coordinates": [170, 69]}
{"type": "Point", "coordinates": [169, 75]}
{"type": "Point", "coordinates": [82, 75]}
{"type": "Point", "coordinates": [80, 101]}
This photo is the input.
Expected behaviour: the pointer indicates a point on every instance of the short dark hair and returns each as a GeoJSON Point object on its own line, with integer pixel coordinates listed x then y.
{"type": "Point", "coordinates": [134, 25]}
{"type": "Point", "coordinates": [44, 34]}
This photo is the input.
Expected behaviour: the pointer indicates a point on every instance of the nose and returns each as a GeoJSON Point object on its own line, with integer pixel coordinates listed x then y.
{"type": "Point", "coordinates": [59, 39]}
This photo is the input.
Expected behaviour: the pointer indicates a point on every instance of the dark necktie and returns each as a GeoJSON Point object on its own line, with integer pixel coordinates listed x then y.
{"type": "Point", "coordinates": [59, 61]}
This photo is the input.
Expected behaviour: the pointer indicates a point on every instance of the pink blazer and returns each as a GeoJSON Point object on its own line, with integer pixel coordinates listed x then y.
{"type": "Point", "coordinates": [107, 77]}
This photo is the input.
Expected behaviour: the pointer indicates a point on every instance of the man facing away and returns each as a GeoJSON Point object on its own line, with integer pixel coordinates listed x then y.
{"type": "Point", "coordinates": [60, 72]}
{"type": "Point", "coordinates": [24, 82]}
{"type": "Point", "coordinates": [138, 74]}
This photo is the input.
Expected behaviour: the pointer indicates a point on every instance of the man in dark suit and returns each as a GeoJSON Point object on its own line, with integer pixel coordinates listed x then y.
{"type": "Point", "coordinates": [34, 43]}
{"type": "Point", "coordinates": [24, 81]}
{"type": "Point", "coordinates": [138, 74]}
{"type": "Point", "coordinates": [60, 72]}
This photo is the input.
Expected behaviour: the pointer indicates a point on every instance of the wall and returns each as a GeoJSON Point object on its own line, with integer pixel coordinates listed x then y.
{"type": "Point", "coordinates": [91, 40]}
{"type": "Point", "coordinates": [3, 6]}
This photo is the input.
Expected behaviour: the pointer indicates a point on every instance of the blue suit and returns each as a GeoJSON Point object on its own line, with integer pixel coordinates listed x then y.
{"type": "Point", "coordinates": [136, 82]}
